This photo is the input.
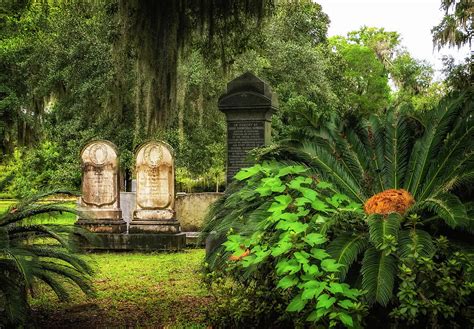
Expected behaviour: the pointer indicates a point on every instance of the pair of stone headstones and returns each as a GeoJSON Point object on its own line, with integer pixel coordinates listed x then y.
{"type": "Point", "coordinates": [100, 200]}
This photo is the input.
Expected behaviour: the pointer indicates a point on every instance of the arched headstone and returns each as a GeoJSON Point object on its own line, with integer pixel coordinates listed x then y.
{"type": "Point", "coordinates": [99, 203]}
{"type": "Point", "coordinates": [154, 211]}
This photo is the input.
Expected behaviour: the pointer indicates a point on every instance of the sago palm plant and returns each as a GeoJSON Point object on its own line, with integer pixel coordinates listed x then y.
{"type": "Point", "coordinates": [427, 154]}
{"type": "Point", "coordinates": [31, 252]}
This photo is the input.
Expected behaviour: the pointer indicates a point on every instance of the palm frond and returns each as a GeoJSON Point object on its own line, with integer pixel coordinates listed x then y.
{"type": "Point", "coordinates": [381, 227]}
{"type": "Point", "coordinates": [19, 233]}
{"type": "Point", "coordinates": [448, 207]}
{"type": "Point", "coordinates": [13, 297]}
{"type": "Point", "coordinates": [77, 276]}
{"type": "Point", "coordinates": [378, 276]}
{"type": "Point", "coordinates": [457, 151]}
{"type": "Point", "coordinates": [345, 248]}
{"type": "Point", "coordinates": [52, 281]}
{"type": "Point", "coordinates": [22, 213]}
{"type": "Point", "coordinates": [396, 149]}
{"type": "Point", "coordinates": [413, 241]}
{"type": "Point", "coordinates": [438, 124]}
{"type": "Point", "coordinates": [376, 135]}
{"type": "Point", "coordinates": [330, 169]}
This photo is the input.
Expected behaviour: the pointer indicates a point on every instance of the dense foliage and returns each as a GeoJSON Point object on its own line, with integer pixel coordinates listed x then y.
{"type": "Point", "coordinates": [428, 154]}
{"type": "Point", "coordinates": [72, 72]}
{"type": "Point", "coordinates": [291, 238]}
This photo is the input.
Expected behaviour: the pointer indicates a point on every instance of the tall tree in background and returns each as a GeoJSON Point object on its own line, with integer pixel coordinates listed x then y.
{"type": "Point", "coordinates": [457, 26]}
{"type": "Point", "coordinates": [159, 30]}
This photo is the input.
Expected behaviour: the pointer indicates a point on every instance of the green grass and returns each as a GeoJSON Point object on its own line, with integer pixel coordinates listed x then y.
{"type": "Point", "coordinates": [59, 219]}
{"type": "Point", "coordinates": [133, 290]}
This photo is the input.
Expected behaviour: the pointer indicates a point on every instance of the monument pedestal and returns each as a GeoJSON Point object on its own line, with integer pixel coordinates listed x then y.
{"type": "Point", "coordinates": [135, 241]}
{"type": "Point", "coordinates": [154, 221]}
{"type": "Point", "coordinates": [102, 220]}
{"type": "Point", "coordinates": [156, 226]}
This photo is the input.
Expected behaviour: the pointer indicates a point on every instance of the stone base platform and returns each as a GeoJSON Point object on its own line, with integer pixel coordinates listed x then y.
{"type": "Point", "coordinates": [103, 225]}
{"type": "Point", "coordinates": [154, 226]}
{"type": "Point", "coordinates": [132, 242]}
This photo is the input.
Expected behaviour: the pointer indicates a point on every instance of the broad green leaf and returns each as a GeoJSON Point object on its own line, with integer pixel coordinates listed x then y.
{"type": "Point", "coordinates": [312, 289]}
{"type": "Point", "coordinates": [245, 173]}
{"type": "Point", "coordinates": [324, 301]}
{"type": "Point", "coordinates": [260, 255]}
{"type": "Point", "coordinates": [301, 201]}
{"type": "Point", "coordinates": [319, 253]}
{"type": "Point", "coordinates": [289, 216]}
{"type": "Point", "coordinates": [335, 288]}
{"type": "Point", "coordinates": [264, 190]}
{"type": "Point", "coordinates": [281, 248]}
{"type": "Point", "coordinates": [311, 270]}
{"type": "Point", "coordinates": [301, 256]}
{"type": "Point", "coordinates": [302, 212]}
{"type": "Point", "coordinates": [346, 319]}
{"type": "Point", "coordinates": [284, 199]}
{"type": "Point", "coordinates": [287, 282]}
{"type": "Point", "coordinates": [287, 266]}
{"type": "Point", "coordinates": [316, 315]}
{"type": "Point", "coordinates": [330, 265]}
{"type": "Point", "coordinates": [296, 304]}
{"type": "Point", "coordinates": [295, 184]}
{"type": "Point", "coordinates": [296, 227]}
{"type": "Point", "coordinates": [314, 239]}
{"type": "Point", "coordinates": [319, 205]}
{"type": "Point", "coordinates": [324, 185]}
{"type": "Point", "coordinates": [288, 170]}
{"type": "Point", "coordinates": [346, 303]}
{"type": "Point", "coordinates": [309, 193]}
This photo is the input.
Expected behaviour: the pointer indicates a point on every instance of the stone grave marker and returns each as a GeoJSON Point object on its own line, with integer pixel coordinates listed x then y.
{"type": "Point", "coordinates": [99, 203]}
{"type": "Point", "coordinates": [248, 105]}
{"type": "Point", "coordinates": [154, 211]}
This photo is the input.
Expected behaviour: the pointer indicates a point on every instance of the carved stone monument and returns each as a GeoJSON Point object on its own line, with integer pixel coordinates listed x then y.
{"type": "Point", "coordinates": [248, 105]}
{"type": "Point", "coordinates": [154, 211]}
{"type": "Point", "coordinates": [100, 201]}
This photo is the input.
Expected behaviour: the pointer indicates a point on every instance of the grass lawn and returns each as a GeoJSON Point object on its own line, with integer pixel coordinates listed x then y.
{"type": "Point", "coordinates": [133, 290]}
{"type": "Point", "coordinates": [60, 219]}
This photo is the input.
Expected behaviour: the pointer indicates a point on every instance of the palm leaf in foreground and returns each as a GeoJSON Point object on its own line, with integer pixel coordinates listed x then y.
{"type": "Point", "coordinates": [345, 249]}
{"type": "Point", "coordinates": [30, 252]}
{"type": "Point", "coordinates": [378, 275]}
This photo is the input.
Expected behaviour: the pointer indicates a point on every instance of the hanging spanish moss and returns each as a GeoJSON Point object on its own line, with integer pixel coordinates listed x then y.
{"type": "Point", "coordinates": [158, 31]}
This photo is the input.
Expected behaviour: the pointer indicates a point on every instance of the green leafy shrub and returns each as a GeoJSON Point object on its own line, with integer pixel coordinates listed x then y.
{"type": "Point", "coordinates": [32, 170]}
{"type": "Point", "coordinates": [429, 155]}
{"type": "Point", "coordinates": [285, 250]}
{"type": "Point", "coordinates": [435, 292]}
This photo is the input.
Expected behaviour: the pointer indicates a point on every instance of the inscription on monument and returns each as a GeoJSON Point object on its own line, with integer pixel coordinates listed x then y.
{"type": "Point", "coordinates": [248, 106]}
{"type": "Point", "coordinates": [242, 136]}
{"type": "Point", "coordinates": [155, 180]}
{"type": "Point", "coordinates": [99, 204]}
{"type": "Point", "coordinates": [99, 183]}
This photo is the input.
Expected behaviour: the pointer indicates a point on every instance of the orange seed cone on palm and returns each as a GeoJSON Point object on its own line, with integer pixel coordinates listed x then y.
{"type": "Point", "coordinates": [389, 201]}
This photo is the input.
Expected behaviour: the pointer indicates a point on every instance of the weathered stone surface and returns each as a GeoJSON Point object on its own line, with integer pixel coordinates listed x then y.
{"type": "Point", "coordinates": [136, 242]}
{"type": "Point", "coordinates": [191, 208]}
{"type": "Point", "coordinates": [155, 190]}
{"type": "Point", "coordinates": [248, 105]}
{"type": "Point", "coordinates": [100, 198]}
